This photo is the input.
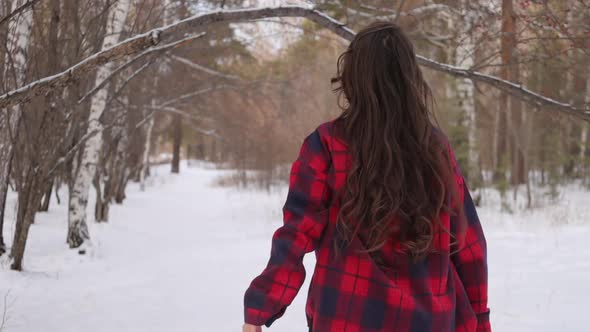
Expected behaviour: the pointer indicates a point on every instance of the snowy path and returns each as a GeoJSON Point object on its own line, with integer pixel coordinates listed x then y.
{"type": "Point", "coordinates": [179, 256]}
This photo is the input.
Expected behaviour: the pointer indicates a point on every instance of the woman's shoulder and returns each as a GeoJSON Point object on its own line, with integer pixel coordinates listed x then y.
{"type": "Point", "coordinates": [326, 128]}
{"type": "Point", "coordinates": [327, 133]}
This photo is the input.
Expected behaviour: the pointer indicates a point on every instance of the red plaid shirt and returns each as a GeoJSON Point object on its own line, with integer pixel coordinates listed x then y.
{"type": "Point", "coordinates": [444, 292]}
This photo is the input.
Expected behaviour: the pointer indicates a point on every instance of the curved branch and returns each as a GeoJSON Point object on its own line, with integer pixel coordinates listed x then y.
{"type": "Point", "coordinates": [22, 8]}
{"type": "Point", "coordinates": [149, 39]}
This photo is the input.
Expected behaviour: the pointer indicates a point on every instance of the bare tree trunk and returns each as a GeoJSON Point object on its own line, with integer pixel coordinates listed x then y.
{"type": "Point", "coordinates": [3, 39]}
{"type": "Point", "coordinates": [120, 169]}
{"type": "Point", "coordinates": [46, 199]}
{"type": "Point", "coordinates": [513, 106]}
{"type": "Point", "coordinates": [52, 67]}
{"type": "Point", "coordinates": [500, 118]}
{"type": "Point", "coordinates": [499, 152]}
{"type": "Point", "coordinates": [466, 90]}
{"type": "Point", "coordinates": [115, 164]}
{"type": "Point", "coordinates": [580, 80]}
{"type": "Point", "coordinates": [146, 151]}
{"type": "Point", "coordinates": [583, 136]}
{"type": "Point", "coordinates": [176, 143]}
{"type": "Point", "coordinates": [518, 169]}
{"type": "Point", "coordinates": [123, 173]}
{"type": "Point", "coordinates": [101, 209]}
{"type": "Point", "coordinates": [526, 142]}
{"type": "Point", "coordinates": [15, 64]}
{"type": "Point", "coordinates": [28, 200]}
{"type": "Point", "coordinates": [177, 121]}
{"type": "Point", "coordinates": [2, 209]}
{"type": "Point", "coordinates": [91, 149]}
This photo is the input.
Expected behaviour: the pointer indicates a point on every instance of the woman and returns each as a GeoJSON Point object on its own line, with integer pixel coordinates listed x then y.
{"type": "Point", "coordinates": [377, 194]}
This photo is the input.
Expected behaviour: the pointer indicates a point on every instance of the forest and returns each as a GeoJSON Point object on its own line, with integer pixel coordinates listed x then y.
{"type": "Point", "coordinates": [97, 97]}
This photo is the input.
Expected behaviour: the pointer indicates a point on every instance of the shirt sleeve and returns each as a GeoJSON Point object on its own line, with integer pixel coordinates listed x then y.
{"type": "Point", "coordinates": [305, 215]}
{"type": "Point", "coordinates": [470, 255]}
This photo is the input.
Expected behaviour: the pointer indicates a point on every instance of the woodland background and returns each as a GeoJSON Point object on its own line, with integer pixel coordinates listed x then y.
{"type": "Point", "coordinates": [145, 147]}
{"type": "Point", "coordinates": [511, 80]}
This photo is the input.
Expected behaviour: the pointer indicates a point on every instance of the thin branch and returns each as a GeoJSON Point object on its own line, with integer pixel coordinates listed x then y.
{"type": "Point", "coordinates": [196, 93]}
{"type": "Point", "coordinates": [129, 79]}
{"type": "Point", "coordinates": [203, 68]}
{"type": "Point", "coordinates": [151, 38]}
{"type": "Point", "coordinates": [81, 141]}
{"type": "Point", "coordinates": [394, 15]}
{"type": "Point", "coordinates": [26, 6]}
{"type": "Point", "coordinates": [173, 110]}
{"type": "Point", "coordinates": [206, 132]}
{"type": "Point", "coordinates": [159, 49]}
{"type": "Point", "coordinates": [154, 110]}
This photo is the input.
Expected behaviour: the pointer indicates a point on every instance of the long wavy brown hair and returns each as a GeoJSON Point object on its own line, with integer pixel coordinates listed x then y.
{"type": "Point", "coordinates": [401, 176]}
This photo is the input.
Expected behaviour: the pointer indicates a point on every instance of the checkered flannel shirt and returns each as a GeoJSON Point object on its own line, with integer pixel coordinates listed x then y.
{"type": "Point", "coordinates": [445, 292]}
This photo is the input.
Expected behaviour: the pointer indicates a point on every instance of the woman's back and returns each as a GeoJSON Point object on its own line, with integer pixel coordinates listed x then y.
{"type": "Point", "coordinates": [378, 196]}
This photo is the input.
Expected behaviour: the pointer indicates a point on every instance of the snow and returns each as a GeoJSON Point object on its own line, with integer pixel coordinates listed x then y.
{"type": "Point", "coordinates": [179, 256]}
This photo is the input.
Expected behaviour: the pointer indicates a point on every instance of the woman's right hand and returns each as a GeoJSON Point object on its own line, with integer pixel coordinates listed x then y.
{"type": "Point", "coordinates": [251, 328]}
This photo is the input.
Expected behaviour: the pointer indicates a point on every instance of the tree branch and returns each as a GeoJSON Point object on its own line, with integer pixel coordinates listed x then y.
{"type": "Point", "coordinates": [199, 67]}
{"type": "Point", "coordinates": [159, 49]}
{"type": "Point", "coordinates": [151, 38]}
{"type": "Point", "coordinates": [26, 6]}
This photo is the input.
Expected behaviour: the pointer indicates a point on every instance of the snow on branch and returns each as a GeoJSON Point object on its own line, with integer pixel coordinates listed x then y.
{"type": "Point", "coordinates": [152, 38]}
{"type": "Point", "coordinates": [168, 33]}
{"type": "Point", "coordinates": [516, 90]}
{"type": "Point", "coordinates": [73, 74]}
{"type": "Point", "coordinates": [159, 49]}
{"type": "Point", "coordinates": [392, 14]}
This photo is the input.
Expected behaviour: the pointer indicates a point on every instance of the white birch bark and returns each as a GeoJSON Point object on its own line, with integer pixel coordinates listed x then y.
{"type": "Point", "coordinates": [146, 151]}
{"type": "Point", "coordinates": [574, 21]}
{"type": "Point", "coordinates": [465, 89]}
{"type": "Point", "coordinates": [19, 33]}
{"type": "Point", "coordinates": [77, 227]}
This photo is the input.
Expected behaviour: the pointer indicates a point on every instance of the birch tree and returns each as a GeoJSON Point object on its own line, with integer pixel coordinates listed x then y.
{"type": "Point", "coordinates": [19, 33]}
{"type": "Point", "coordinates": [464, 57]}
{"type": "Point", "coordinates": [78, 200]}
{"type": "Point", "coordinates": [579, 81]}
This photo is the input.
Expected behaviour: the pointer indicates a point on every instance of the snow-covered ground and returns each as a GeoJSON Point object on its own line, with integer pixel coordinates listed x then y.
{"type": "Point", "coordinates": [179, 256]}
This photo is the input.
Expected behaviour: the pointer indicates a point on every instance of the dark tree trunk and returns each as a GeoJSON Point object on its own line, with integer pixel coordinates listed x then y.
{"type": "Point", "coordinates": [28, 200]}
{"type": "Point", "coordinates": [2, 209]}
{"type": "Point", "coordinates": [52, 67]}
{"type": "Point", "coordinates": [513, 106]}
{"type": "Point", "coordinates": [102, 206]}
{"type": "Point", "coordinates": [177, 142]}
{"type": "Point", "coordinates": [121, 185]}
{"type": "Point", "coordinates": [44, 206]}
{"type": "Point", "coordinates": [4, 9]}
